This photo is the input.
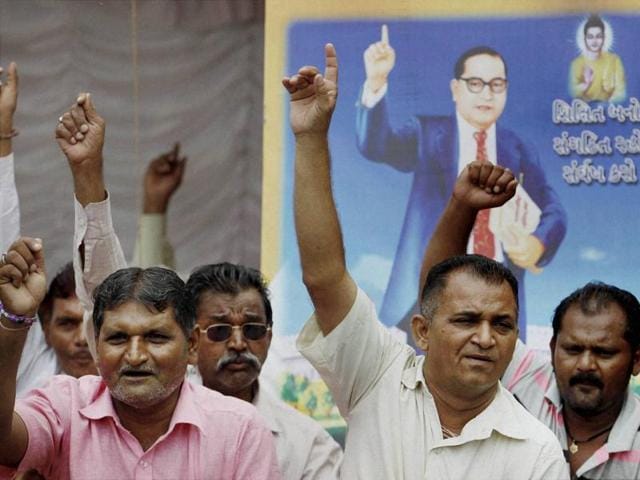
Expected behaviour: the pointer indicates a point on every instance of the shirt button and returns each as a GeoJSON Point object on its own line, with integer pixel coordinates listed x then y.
{"type": "Point", "coordinates": [144, 464]}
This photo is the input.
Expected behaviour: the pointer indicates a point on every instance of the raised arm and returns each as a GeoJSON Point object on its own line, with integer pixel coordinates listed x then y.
{"type": "Point", "coordinates": [80, 135]}
{"type": "Point", "coordinates": [97, 252]}
{"type": "Point", "coordinates": [379, 60]}
{"type": "Point", "coordinates": [9, 206]}
{"type": "Point", "coordinates": [479, 186]}
{"type": "Point", "coordinates": [313, 99]}
{"type": "Point", "coordinates": [8, 104]}
{"type": "Point", "coordinates": [161, 180]}
{"type": "Point", "coordinates": [22, 288]}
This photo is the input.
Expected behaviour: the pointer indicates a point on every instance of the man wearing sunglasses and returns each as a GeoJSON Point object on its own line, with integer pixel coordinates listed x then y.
{"type": "Point", "coordinates": [436, 150]}
{"type": "Point", "coordinates": [233, 312]}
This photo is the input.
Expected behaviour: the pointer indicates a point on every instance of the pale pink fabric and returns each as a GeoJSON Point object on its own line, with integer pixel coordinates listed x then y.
{"type": "Point", "coordinates": [75, 433]}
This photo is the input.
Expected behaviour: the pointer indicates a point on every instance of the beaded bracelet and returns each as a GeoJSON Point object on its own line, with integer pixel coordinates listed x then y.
{"type": "Point", "coordinates": [8, 136]}
{"type": "Point", "coordinates": [17, 319]}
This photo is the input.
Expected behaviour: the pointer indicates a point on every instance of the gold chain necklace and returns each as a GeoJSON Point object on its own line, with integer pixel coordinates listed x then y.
{"type": "Point", "coordinates": [574, 447]}
{"type": "Point", "coordinates": [447, 433]}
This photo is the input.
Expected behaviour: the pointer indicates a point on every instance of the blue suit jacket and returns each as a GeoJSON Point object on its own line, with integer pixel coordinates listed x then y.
{"type": "Point", "coordinates": [428, 147]}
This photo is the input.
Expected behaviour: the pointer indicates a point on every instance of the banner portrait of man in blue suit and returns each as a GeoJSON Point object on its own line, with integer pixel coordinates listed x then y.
{"type": "Point", "coordinates": [436, 149]}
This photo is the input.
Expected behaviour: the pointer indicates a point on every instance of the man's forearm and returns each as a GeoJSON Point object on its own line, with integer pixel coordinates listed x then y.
{"type": "Point", "coordinates": [324, 270]}
{"type": "Point", "coordinates": [89, 185]}
{"type": "Point", "coordinates": [6, 146]}
{"type": "Point", "coordinates": [316, 218]}
{"type": "Point", "coordinates": [6, 135]}
{"type": "Point", "coordinates": [450, 236]}
{"type": "Point", "coordinates": [11, 346]}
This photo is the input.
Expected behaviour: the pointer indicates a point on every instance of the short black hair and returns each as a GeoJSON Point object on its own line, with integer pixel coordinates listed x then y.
{"type": "Point", "coordinates": [156, 288]}
{"type": "Point", "coordinates": [592, 22]}
{"type": "Point", "coordinates": [490, 271]}
{"type": "Point", "coordinates": [458, 69]}
{"type": "Point", "coordinates": [595, 297]}
{"type": "Point", "coordinates": [63, 285]}
{"type": "Point", "coordinates": [228, 278]}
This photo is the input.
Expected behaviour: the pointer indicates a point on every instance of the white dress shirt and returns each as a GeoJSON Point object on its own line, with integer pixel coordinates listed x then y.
{"type": "Point", "coordinates": [394, 431]}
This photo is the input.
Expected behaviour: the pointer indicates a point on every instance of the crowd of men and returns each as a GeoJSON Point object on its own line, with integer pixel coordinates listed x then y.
{"type": "Point", "coordinates": [116, 399]}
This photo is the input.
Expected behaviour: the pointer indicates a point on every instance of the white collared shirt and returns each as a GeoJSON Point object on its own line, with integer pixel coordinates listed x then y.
{"type": "Point", "coordinates": [394, 430]}
{"type": "Point", "coordinates": [305, 450]}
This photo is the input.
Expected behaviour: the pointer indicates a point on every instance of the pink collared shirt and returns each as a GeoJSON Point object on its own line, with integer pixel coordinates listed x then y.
{"type": "Point", "coordinates": [75, 433]}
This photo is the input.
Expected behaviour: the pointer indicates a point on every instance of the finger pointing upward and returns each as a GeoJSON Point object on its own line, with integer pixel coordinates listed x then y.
{"type": "Point", "coordinates": [384, 37]}
{"type": "Point", "coordinates": [85, 100]}
{"type": "Point", "coordinates": [331, 63]}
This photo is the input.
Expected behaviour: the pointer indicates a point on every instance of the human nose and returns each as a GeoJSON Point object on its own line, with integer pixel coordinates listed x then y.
{"type": "Point", "coordinates": [236, 340]}
{"type": "Point", "coordinates": [586, 361]}
{"type": "Point", "coordinates": [486, 91]}
{"type": "Point", "coordinates": [136, 353]}
{"type": "Point", "coordinates": [483, 337]}
{"type": "Point", "coordinates": [79, 338]}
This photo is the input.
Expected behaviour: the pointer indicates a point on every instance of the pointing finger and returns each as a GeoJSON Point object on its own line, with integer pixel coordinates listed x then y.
{"type": "Point", "coordinates": [331, 63]}
{"type": "Point", "coordinates": [12, 76]}
{"type": "Point", "coordinates": [384, 37]}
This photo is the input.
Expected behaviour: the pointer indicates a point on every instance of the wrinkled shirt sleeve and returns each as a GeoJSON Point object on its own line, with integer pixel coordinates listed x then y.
{"type": "Point", "coordinates": [96, 255]}
{"type": "Point", "coordinates": [9, 204]}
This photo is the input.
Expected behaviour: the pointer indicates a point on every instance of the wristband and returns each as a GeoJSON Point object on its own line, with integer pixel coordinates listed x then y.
{"type": "Point", "coordinates": [17, 319]}
{"type": "Point", "coordinates": [8, 136]}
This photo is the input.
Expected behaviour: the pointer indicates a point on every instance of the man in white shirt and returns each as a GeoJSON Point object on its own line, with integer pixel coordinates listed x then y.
{"type": "Point", "coordinates": [583, 395]}
{"type": "Point", "coordinates": [233, 311]}
{"type": "Point", "coordinates": [409, 417]}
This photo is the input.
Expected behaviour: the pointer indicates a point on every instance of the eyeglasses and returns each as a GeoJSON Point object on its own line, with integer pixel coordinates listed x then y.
{"type": "Point", "coordinates": [476, 85]}
{"type": "Point", "coordinates": [221, 332]}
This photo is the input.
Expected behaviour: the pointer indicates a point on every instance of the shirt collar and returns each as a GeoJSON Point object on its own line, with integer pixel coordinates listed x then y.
{"type": "Point", "coordinates": [553, 394]}
{"type": "Point", "coordinates": [186, 410]}
{"type": "Point", "coordinates": [626, 426]}
{"type": "Point", "coordinates": [413, 376]}
{"type": "Point", "coordinates": [263, 403]}
{"type": "Point", "coordinates": [466, 130]}
{"type": "Point", "coordinates": [499, 415]}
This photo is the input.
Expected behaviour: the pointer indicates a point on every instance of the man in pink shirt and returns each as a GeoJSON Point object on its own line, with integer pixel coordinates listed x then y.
{"type": "Point", "coordinates": [140, 419]}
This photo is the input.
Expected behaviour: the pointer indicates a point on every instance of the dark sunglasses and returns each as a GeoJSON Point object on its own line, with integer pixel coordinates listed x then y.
{"type": "Point", "coordinates": [221, 332]}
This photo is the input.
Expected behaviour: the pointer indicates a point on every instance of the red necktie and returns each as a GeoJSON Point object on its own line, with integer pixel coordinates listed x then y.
{"type": "Point", "coordinates": [483, 242]}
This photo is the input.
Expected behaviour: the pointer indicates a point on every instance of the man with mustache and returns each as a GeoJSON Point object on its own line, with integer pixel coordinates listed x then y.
{"type": "Point", "coordinates": [233, 311]}
{"type": "Point", "coordinates": [139, 418]}
{"type": "Point", "coordinates": [442, 415]}
{"type": "Point", "coordinates": [583, 394]}
{"type": "Point", "coordinates": [233, 314]}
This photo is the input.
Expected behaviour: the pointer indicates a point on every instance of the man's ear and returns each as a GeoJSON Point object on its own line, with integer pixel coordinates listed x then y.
{"type": "Point", "coordinates": [636, 362]}
{"type": "Point", "coordinates": [453, 85]}
{"type": "Point", "coordinates": [552, 348]}
{"type": "Point", "coordinates": [45, 330]}
{"type": "Point", "coordinates": [420, 330]}
{"type": "Point", "coordinates": [194, 341]}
